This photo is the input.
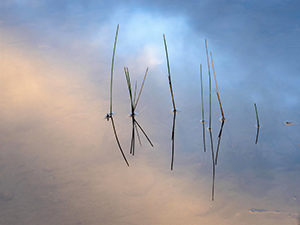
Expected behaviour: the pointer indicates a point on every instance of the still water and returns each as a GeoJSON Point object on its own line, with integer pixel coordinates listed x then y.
{"type": "Point", "coordinates": [59, 161]}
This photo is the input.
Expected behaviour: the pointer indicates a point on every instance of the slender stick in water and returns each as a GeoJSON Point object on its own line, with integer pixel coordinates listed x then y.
{"type": "Point", "coordinates": [110, 114]}
{"type": "Point", "coordinates": [173, 101]}
{"type": "Point", "coordinates": [257, 121]}
{"type": "Point", "coordinates": [202, 121]}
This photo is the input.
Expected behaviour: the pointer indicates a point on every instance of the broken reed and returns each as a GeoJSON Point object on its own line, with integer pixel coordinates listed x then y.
{"type": "Point", "coordinates": [221, 109]}
{"type": "Point", "coordinates": [173, 101]}
{"type": "Point", "coordinates": [110, 114]}
{"type": "Point", "coordinates": [133, 103]}
{"type": "Point", "coordinates": [257, 121]}
{"type": "Point", "coordinates": [217, 89]}
{"type": "Point", "coordinates": [202, 103]}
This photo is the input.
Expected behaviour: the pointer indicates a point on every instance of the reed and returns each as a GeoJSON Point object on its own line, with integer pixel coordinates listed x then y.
{"type": "Point", "coordinates": [109, 116]}
{"type": "Point", "coordinates": [221, 109]}
{"type": "Point", "coordinates": [209, 126]}
{"type": "Point", "coordinates": [133, 104]}
{"type": "Point", "coordinates": [217, 89]}
{"type": "Point", "coordinates": [169, 73]}
{"type": "Point", "coordinates": [202, 103]}
{"type": "Point", "coordinates": [257, 123]}
{"type": "Point", "coordinates": [209, 77]}
{"type": "Point", "coordinates": [173, 102]}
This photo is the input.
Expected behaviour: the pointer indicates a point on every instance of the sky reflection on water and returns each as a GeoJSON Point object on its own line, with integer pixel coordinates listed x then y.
{"type": "Point", "coordinates": [59, 160]}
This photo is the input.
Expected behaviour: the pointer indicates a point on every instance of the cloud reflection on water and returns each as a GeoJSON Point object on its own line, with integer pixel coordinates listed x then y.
{"type": "Point", "coordinates": [58, 154]}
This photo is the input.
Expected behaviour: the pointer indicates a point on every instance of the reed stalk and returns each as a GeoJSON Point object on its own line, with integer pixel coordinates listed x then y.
{"type": "Point", "coordinates": [169, 73]}
{"type": "Point", "coordinates": [110, 114]}
{"type": "Point", "coordinates": [209, 76]}
{"type": "Point", "coordinates": [221, 109]}
{"type": "Point", "coordinates": [133, 104]}
{"type": "Point", "coordinates": [209, 126]}
{"type": "Point", "coordinates": [257, 122]}
{"type": "Point", "coordinates": [217, 89]}
{"type": "Point", "coordinates": [202, 103]}
{"type": "Point", "coordinates": [173, 102]}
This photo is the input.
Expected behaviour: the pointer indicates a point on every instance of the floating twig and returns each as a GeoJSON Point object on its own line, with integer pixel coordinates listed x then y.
{"type": "Point", "coordinates": [173, 101]}
{"type": "Point", "coordinates": [110, 114]}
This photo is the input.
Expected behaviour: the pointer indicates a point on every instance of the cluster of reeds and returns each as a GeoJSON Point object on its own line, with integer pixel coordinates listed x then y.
{"type": "Point", "coordinates": [173, 102]}
{"type": "Point", "coordinates": [133, 102]}
{"type": "Point", "coordinates": [214, 156]}
{"type": "Point", "coordinates": [134, 99]}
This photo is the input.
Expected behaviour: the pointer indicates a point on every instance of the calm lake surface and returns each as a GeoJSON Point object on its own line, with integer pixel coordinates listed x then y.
{"type": "Point", "coordinates": [59, 160]}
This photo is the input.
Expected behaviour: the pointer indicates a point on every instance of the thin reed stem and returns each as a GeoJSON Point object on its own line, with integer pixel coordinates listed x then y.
{"type": "Point", "coordinates": [110, 114]}
{"type": "Point", "coordinates": [173, 102]}
{"type": "Point", "coordinates": [137, 134]}
{"type": "Point", "coordinates": [117, 139]}
{"type": "Point", "coordinates": [257, 132]}
{"type": "Point", "coordinates": [141, 88]}
{"type": "Point", "coordinates": [202, 103]}
{"type": "Point", "coordinates": [169, 73]}
{"type": "Point", "coordinates": [173, 140]}
{"type": "Point", "coordinates": [219, 140]}
{"type": "Point", "coordinates": [133, 102]}
{"type": "Point", "coordinates": [257, 121]}
{"type": "Point", "coordinates": [209, 76]}
{"type": "Point", "coordinates": [214, 166]}
{"type": "Point", "coordinates": [146, 136]}
{"type": "Point", "coordinates": [212, 64]}
{"type": "Point", "coordinates": [112, 68]}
